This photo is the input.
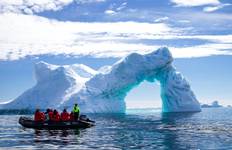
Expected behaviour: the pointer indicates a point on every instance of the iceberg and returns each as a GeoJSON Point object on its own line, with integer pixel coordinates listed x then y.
{"type": "Point", "coordinates": [214, 104]}
{"type": "Point", "coordinates": [55, 84]}
{"type": "Point", "coordinates": [104, 91]}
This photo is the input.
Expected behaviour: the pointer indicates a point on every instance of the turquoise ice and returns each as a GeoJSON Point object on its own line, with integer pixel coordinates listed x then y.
{"type": "Point", "coordinates": [105, 91]}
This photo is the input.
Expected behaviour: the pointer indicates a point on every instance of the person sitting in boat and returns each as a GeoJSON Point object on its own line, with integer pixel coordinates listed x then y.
{"type": "Point", "coordinates": [65, 115]}
{"type": "Point", "coordinates": [39, 116]}
{"type": "Point", "coordinates": [50, 114]}
{"type": "Point", "coordinates": [47, 114]}
{"type": "Point", "coordinates": [56, 116]}
{"type": "Point", "coordinates": [71, 116]}
{"type": "Point", "coordinates": [76, 111]}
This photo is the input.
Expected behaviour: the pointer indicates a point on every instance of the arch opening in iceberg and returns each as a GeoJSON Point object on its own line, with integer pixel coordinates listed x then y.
{"type": "Point", "coordinates": [106, 92]}
{"type": "Point", "coordinates": [145, 96]}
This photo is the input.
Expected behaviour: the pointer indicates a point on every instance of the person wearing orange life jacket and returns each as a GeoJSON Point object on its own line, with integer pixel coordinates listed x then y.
{"type": "Point", "coordinates": [65, 115]}
{"type": "Point", "coordinates": [50, 114]}
{"type": "Point", "coordinates": [56, 116]}
{"type": "Point", "coordinates": [39, 116]}
{"type": "Point", "coordinates": [71, 116]}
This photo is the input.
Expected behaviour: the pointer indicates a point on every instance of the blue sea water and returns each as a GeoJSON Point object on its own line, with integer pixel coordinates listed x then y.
{"type": "Point", "coordinates": [137, 129]}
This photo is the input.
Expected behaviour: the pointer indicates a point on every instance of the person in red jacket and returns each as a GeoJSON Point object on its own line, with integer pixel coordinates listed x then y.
{"type": "Point", "coordinates": [56, 116]}
{"type": "Point", "coordinates": [39, 116]}
{"type": "Point", "coordinates": [50, 114]}
{"type": "Point", "coordinates": [71, 116]}
{"type": "Point", "coordinates": [65, 115]}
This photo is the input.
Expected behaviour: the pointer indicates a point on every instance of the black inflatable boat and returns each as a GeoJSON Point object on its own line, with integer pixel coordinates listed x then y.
{"type": "Point", "coordinates": [30, 123]}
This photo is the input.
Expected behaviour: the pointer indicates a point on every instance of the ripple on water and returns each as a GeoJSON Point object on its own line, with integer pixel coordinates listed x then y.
{"type": "Point", "coordinates": [209, 129]}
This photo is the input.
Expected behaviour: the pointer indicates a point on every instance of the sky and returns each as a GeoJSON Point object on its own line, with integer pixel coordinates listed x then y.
{"type": "Point", "coordinates": [100, 32]}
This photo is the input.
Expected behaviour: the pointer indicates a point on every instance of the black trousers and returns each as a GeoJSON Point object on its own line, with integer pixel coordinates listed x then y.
{"type": "Point", "coordinates": [76, 115]}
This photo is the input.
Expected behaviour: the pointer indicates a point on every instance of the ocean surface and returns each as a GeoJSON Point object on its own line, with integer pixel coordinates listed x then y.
{"type": "Point", "coordinates": [137, 129]}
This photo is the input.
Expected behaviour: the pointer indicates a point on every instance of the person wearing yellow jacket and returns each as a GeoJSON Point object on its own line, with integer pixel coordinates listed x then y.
{"type": "Point", "coordinates": [76, 111]}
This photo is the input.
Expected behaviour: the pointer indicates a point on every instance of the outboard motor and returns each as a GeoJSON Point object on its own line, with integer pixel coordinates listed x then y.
{"type": "Point", "coordinates": [85, 118]}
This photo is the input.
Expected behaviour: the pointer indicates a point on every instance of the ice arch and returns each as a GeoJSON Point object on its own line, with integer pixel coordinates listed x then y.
{"type": "Point", "coordinates": [105, 92]}
{"type": "Point", "coordinates": [144, 96]}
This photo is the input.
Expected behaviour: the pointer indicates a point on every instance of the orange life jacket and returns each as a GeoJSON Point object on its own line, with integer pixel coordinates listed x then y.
{"type": "Point", "coordinates": [39, 116]}
{"type": "Point", "coordinates": [65, 116]}
{"type": "Point", "coordinates": [56, 117]}
{"type": "Point", "coordinates": [50, 115]}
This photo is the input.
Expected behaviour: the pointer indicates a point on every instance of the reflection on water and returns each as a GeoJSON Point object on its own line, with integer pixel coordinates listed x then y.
{"type": "Point", "coordinates": [61, 133]}
{"type": "Point", "coordinates": [209, 129]}
{"type": "Point", "coordinates": [170, 129]}
{"type": "Point", "coordinates": [55, 137]}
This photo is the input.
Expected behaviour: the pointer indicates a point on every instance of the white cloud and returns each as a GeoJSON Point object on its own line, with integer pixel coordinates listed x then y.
{"type": "Point", "coordinates": [22, 35]}
{"type": "Point", "coordinates": [27, 35]}
{"type": "Point", "coordinates": [214, 8]}
{"type": "Point", "coordinates": [89, 1]}
{"type": "Point", "coordinates": [30, 6]}
{"type": "Point", "coordinates": [201, 50]}
{"type": "Point", "coordinates": [162, 19]}
{"type": "Point", "coordinates": [184, 21]}
{"type": "Point", "coordinates": [110, 12]}
{"type": "Point", "coordinates": [191, 3]}
{"type": "Point", "coordinates": [224, 39]}
{"type": "Point", "coordinates": [113, 9]}
{"type": "Point", "coordinates": [35, 6]}
{"type": "Point", "coordinates": [122, 6]}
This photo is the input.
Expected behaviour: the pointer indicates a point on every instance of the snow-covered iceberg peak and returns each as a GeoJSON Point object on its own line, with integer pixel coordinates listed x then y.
{"type": "Point", "coordinates": [55, 84]}
{"type": "Point", "coordinates": [43, 70]}
{"type": "Point", "coordinates": [105, 92]}
{"type": "Point", "coordinates": [83, 70]}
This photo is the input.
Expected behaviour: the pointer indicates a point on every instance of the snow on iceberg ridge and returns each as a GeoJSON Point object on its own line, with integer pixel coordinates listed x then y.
{"type": "Point", "coordinates": [104, 92]}
{"type": "Point", "coordinates": [55, 84]}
